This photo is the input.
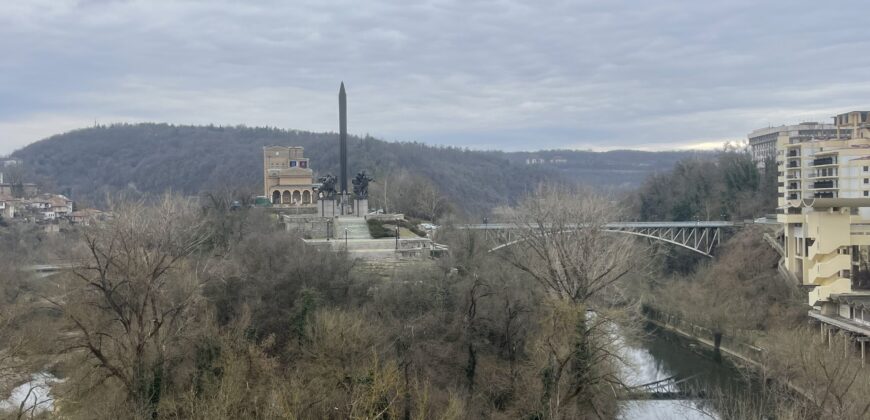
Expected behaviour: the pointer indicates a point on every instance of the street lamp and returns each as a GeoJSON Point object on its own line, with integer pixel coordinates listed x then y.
{"type": "Point", "coordinates": [345, 238]}
{"type": "Point", "coordinates": [397, 237]}
{"type": "Point", "coordinates": [486, 228]}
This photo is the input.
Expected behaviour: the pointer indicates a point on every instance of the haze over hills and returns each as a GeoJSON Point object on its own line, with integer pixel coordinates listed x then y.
{"type": "Point", "coordinates": [150, 158]}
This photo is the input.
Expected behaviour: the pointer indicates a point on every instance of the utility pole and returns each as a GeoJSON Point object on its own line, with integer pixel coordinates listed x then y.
{"type": "Point", "coordinates": [386, 207]}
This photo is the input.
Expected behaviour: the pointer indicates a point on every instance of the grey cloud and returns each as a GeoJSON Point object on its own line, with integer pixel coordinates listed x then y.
{"type": "Point", "coordinates": [503, 73]}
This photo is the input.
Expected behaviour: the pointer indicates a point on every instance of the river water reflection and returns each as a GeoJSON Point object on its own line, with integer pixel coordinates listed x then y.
{"type": "Point", "coordinates": [663, 355]}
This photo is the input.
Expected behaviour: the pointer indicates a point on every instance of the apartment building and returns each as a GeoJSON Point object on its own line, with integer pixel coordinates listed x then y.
{"type": "Point", "coordinates": [824, 207]}
{"type": "Point", "coordinates": [763, 142]}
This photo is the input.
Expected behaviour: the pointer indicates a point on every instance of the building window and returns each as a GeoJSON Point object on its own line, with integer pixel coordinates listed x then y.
{"type": "Point", "coordinates": [867, 180]}
{"type": "Point", "coordinates": [866, 193]}
{"type": "Point", "coordinates": [303, 164]}
{"type": "Point", "coordinates": [866, 168]}
{"type": "Point", "coordinates": [293, 164]}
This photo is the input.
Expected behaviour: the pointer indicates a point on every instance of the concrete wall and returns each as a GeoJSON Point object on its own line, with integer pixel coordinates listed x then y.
{"type": "Point", "coordinates": [308, 227]}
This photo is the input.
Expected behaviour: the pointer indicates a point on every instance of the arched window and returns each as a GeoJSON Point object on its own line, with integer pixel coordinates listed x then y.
{"type": "Point", "coordinates": [297, 197]}
{"type": "Point", "coordinates": [287, 198]}
{"type": "Point", "coordinates": [306, 197]}
{"type": "Point", "coordinates": [276, 197]}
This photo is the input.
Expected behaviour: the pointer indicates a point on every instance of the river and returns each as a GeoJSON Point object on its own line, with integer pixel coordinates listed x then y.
{"type": "Point", "coordinates": [663, 355]}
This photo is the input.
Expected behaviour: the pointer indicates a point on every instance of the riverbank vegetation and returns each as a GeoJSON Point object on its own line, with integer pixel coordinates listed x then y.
{"type": "Point", "coordinates": [739, 299]}
{"type": "Point", "coordinates": [172, 310]}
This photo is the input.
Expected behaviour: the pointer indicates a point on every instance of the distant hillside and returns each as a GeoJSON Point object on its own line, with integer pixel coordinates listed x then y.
{"type": "Point", "coordinates": [150, 158]}
{"type": "Point", "coordinates": [614, 169]}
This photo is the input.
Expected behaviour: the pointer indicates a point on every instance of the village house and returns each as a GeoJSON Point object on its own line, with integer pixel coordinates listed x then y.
{"type": "Point", "coordinates": [7, 207]}
{"type": "Point", "coordinates": [60, 205]}
{"type": "Point", "coordinates": [45, 207]}
{"type": "Point", "coordinates": [86, 217]}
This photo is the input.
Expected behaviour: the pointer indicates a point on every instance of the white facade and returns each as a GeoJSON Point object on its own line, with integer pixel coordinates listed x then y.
{"type": "Point", "coordinates": [762, 142]}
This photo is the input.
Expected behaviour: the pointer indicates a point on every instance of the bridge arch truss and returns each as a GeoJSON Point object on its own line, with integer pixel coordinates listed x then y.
{"type": "Point", "coordinates": [700, 237]}
{"type": "Point", "coordinates": [697, 238]}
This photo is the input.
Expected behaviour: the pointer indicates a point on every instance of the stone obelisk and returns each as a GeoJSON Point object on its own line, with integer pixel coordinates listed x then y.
{"type": "Point", "coordinates": [342, 138]}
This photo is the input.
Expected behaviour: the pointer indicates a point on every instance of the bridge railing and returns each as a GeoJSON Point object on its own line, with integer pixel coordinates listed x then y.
{"type": "Point", "coordinates": [679, 224]}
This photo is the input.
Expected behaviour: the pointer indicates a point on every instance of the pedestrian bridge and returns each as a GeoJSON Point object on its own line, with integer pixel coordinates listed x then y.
{"type": "Point", "coordinates": [671, 388]}
{"type": "Point", "coordinates": [700, 236]}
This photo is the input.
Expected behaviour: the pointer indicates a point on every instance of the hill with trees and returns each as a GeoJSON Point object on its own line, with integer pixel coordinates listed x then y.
{"type": "Point", "coordinates": [148, 158]}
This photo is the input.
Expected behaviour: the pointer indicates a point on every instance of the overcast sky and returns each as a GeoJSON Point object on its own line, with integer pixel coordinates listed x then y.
{"type": "Point", "coordinates": [512, 75]}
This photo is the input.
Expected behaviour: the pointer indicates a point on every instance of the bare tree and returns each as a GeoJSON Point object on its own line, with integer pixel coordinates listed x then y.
{"type": "Point", "coordinates": [564, 245]}
{"type": "Point", "coordinates": [409, 193]}
{"type": "Point", "coordinates": [430, 202]}
{"type": "Point", "coordinates": [129, 305]}
{"type": "Point", "coordinates": [833, 385]}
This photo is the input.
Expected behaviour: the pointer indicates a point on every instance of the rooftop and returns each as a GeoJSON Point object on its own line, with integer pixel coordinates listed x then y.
{"type": "Point", "coordinates": [802, 126]}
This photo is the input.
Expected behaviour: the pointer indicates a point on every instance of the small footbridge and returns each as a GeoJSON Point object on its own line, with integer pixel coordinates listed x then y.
{"type": "Point", "coordinates": [699, 236]}
{"type": "Point", "coordinates": [671, 388]}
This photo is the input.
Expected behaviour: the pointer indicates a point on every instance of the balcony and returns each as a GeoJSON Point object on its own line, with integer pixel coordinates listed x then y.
{"type": "Point", "coordinates": [793, 164]}
{"type": "Point", "coordinates": [838, 321]}
{"type": "Point", "coordinates": [788, 210]}
{"type": "Point", "coordinates": [830, 174]}
{"type": "Point", "coordinates": [793, 153]}
{"type": "Point", "coordinates": [824, 194]}
{"type": "Point", "coordinates": [823, 161]}
{"type": "Point", "coordinates": [823, 184]}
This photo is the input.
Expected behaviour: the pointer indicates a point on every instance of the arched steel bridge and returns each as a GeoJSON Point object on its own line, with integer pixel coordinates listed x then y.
{"type": "Point", "coordinates": [701, 236]}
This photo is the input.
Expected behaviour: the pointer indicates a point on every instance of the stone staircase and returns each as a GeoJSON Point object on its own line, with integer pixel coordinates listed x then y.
{"type": "Point", "coordinates": [357, 228]}
{"type": "Point", "coordinates": [360, 243]}
{"type": "Point", "coordinates": [377, 257]}
{"type": "Point", "coordinates": [387, 268]}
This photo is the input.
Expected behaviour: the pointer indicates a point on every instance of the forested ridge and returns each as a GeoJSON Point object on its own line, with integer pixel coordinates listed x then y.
{"type": "Point", "coordinates": [151, 158]}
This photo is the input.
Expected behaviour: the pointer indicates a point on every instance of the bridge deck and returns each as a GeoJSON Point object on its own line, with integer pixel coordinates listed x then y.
{"type": "Point", "coordinates": [617, 225]}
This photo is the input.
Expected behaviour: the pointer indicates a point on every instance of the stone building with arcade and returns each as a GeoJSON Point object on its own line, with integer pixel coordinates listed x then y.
{"type": "Point", "coordinates": [288, 178]}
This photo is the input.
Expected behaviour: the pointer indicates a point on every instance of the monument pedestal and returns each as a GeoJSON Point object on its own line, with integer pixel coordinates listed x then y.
{"type": "Point", "coordinates": [361, 207]}
{"type": "Point", "coordinates": [326, 208]}
{"type": "Point", "coordinates": [344, 205]}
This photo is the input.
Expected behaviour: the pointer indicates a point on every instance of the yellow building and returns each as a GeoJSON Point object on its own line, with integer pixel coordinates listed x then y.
{"type": "Point", "coordinates": [824, 206]}
{"type": "Point", "coordinates": [287, 178]}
